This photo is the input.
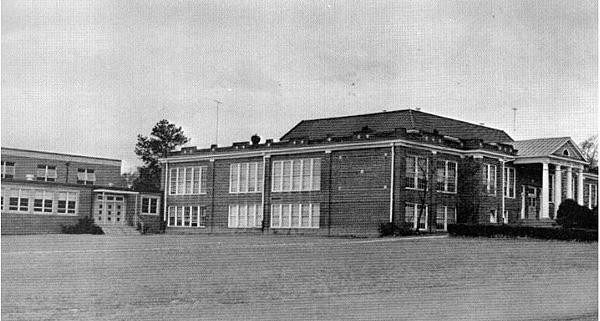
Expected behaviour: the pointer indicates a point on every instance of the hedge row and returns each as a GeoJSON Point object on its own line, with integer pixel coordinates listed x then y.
{"type": "Point", "coordinates": [544, 233]}
{"type": "Point", "coordinates": [84, 226]}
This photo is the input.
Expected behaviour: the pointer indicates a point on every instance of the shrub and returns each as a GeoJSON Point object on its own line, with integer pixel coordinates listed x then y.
{"type": "Point", "coordinates": [84, 226]}
{"type": "Point", "coordinates": [544, 233]}
{"type": "Point", "coordinates": [573, 215]}
{"type": "Point", "coordinates": [392, 229]}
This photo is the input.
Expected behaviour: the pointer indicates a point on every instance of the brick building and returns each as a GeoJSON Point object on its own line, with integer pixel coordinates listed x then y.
{"type": "Point", "coordinates": [347, 175]}
{"type": "Point", "coordinates": [42, 191]}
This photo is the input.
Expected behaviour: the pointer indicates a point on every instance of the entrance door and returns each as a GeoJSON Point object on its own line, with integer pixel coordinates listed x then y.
{"type": "Point", "coordinates": [110, 209]}
{"type": "Point", "coordinates": [531, 202]}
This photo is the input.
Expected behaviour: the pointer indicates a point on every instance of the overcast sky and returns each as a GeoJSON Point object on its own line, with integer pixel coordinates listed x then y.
{"type": "Point", "coordinates": [87, 77]}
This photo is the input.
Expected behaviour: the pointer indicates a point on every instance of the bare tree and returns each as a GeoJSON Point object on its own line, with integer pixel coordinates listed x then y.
{"type": "Point", "coordinates": [423, 175]}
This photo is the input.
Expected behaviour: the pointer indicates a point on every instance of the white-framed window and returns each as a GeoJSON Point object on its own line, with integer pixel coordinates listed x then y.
{"type": "Point", "coordinates": [18, 200]}
{"type": "Point", "coordinates": [246, 177]}
{"type": "Point", "coordinates": [186, 216]}
{"type": "Point", "coordinates": [43, 201]}
{"type": "Point", "coordinates": [296, 175]}
{"type": "Point", "coordinates": [39, 201]}
{"type": "Point", "coordinates": [187, 180]}
{"type": "Point", "coordinates": [150, 205]}
{"type": "Point", "coordinates": [86, 176]}
{"type": "Point", "coordinates": [416, 172]}
{"type": "Point", "coordinates": [66, 203]}
{"type": "Point", "coordinates": [494, 216]}
{"type": "Point", "coordinates": [489, 179]}
{"type": "Point", "coordinates": [593, 195]}
{"type": "Point", "coordinates": [411, 213]}
{"type": "Point", "coordinates": [46, 173]}
{"type": "Point", "coordinates": [303, 215]}
{"type": "Point", "coordinates": [8, 169]}
{"type": "Point", "coordinates": [245, 216]}
{"type": "Point", "coordinates": [510, 182]}
{"type": "Point", "coordinates": [446, 176]}
{"type": "Point", "coordinates": [444, 215]}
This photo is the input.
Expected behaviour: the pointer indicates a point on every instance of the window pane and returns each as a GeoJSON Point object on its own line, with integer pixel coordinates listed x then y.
{"type": "Point", "coordinates": [233, 178]}
{"type": "Point", "coordinates": [287, 172]}
{"type": "Point", "coordinates": [259, 216]}
{"type": "Point", "coordinates": [181, 181]}
{"type": "Point", "coordinates": [194, 216]}
{"type": "Point", "coordinates": [260, 178]}
{"type": "Point", "coordinates": [439, 217]}
{"type": "Point", "coordinates": [276, 176]}
{"type": "Point", "coordinates": [275, 215]}
{"type": "Point", "coordinates": [179, 216]}
{"type": "Point", "coordinates": [188, 180]}
{"type": "Point", "coordinates": [316, 186]}
{"type": "Point", "coordinates": [244, 177]}
{"type": "Point", "coordinates": [173, 180]}
{"type": "Point", "coordinates": [145, 205]}
{"type": "Point", "coordinates": [243, 216]}
{"type": "Point", "coordinates": [305, 216]}
{"type": "Point", "coordinates": [295, 215]}
{"type": "Point", "coordinates": [252, 173]}
{"type": "Point", "coordinates": [296, 175]}
{"type": "Point", "coordinates": [285, 215]}
{"type": "Point", "coordinates": [233, 216]}
{"type": "Point", "coordinates": [316, 215]}
{"type": "Point", "coordinates": [196, 180]}
{"type": "Point", "coordinates": [306, 175]}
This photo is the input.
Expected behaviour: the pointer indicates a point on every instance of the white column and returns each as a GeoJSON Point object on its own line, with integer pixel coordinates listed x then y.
{"type": "Point", "coordinates": [580, 186]}
{"type": "Point", "coordinates": [523, 202]}
{"type": "Point", "coordinates": [545, 192]}
{"type": "Point", "coordinates": [557, 189]}
{"type": "Point", "coordinates": [569, 184]}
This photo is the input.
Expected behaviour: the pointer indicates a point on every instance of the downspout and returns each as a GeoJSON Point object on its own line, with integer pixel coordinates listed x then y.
{"type": "Point", "coordinates": [392, 184]}
{"type": "Point", "coordinates": [264, 187]}
{"type": "Point", "coordinates": [212, 201]}
{"type": "Point", "coordinates": [503, 194]}
{"type": "Point", "coordinates": [329, 194]}
{"type": "Point", "coordinates": [165, 193]}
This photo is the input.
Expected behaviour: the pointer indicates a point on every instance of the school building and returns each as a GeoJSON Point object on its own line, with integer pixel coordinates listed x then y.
{"type": "Point", "coordinates": [348, 175]}
{"type": "Point", "coordinates": [42, 191]}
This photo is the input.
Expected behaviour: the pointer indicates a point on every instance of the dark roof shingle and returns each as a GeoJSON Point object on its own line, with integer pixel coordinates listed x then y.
{"type": "Point", "coordinates": [388, 121]}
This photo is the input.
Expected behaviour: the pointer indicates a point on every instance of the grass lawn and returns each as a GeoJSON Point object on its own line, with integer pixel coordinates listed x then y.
{"type": "Point", "coordinates": [168, 277]}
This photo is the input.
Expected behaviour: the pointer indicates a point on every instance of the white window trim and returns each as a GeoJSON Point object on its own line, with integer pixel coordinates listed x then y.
{"type": "Point", "coordinates": [235, 171]}
{"type": "Point", "coordinates": [173, 212]}
{"type": "Point", "coordinates": [49, 194]}
{"type": "Point", "coordinates": [508, 181]}
{"type": "Point", "coordinates": [5, 167]}
{"type": "Point", "coordinates": [277, 186]}
{"type": "Point", "coordinates": [150, 199]}
{"type": "Point", "coordinates": [258, 216]}
{"type": "Point", "coordinates": [180, 176]}
{"type": "Point", "coordinates": [89, 176]}
{"type": "Point", "coordinates": [415, 207]}
{"type": "Point", "coordinates": [416, 173]}
{"type": "Point", "coordinates": [494, 216]}
{"type": "Point", "coordinates": [491, 181]}
{"type": "Point", "coordinates": [312, 224]}
{"type": "Point", "coordinates": [46, 173]}
{"type": "Point", "coordinates": [445, 208]}
{"type": "Point", "coordinates": [446, 177]}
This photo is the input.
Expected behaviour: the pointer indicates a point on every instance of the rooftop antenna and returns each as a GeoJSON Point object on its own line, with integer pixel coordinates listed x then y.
{"type": "Point", "coordinates": [514, 120]}
{"type": "Point", "coordinates": [217, 119]}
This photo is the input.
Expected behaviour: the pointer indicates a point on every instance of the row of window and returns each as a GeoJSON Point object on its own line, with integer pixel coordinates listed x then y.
{"type": "Point", "coordinates": [187, 180]}
{"type": "Point", "coordinates": [250, 215]}
{"type": "Point", "coordinates": [39, 201]}
{"type": "Point", "coordinates": [305, 175]}
{"type": "Point", "coordinates": [47, 173]}
{"type": "Point", "coordinates": [444, 215]}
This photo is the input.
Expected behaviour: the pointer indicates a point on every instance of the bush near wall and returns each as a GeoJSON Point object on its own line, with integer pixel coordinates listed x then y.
{"type": "Point", "coordinates": [543, 233]}
{"type": "Point", "coordinates": [392, 229]}
{"type": "Point", "coordinates": [573, 215]}
{"type": "Point", "coordinates": [84, 226]}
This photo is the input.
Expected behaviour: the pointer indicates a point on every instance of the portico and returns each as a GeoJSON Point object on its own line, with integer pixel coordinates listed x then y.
{"type": "Point", "coordinates": [561, 176]}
